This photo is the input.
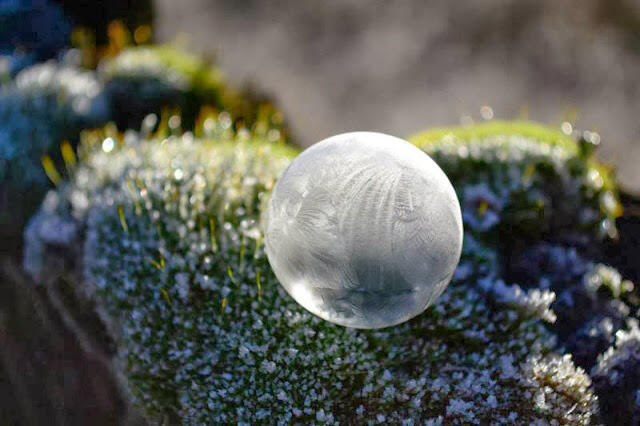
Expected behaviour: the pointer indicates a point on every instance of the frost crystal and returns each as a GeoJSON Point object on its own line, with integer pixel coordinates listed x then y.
{"type": "Point", "coordinates": [364, 230]}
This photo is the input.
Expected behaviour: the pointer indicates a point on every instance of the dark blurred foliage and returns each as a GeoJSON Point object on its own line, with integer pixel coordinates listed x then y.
{"type": "Point", "coordinates": [36, 30]}
{"type": "Point", "coordinates": [617, 385]}
{"type": "Point", "coordinates": [37, 26]}
{"type": "Point", "coordinates": [47, 376]}
{"type": "Point", "coordinates": [97, 15]}
{"type": "Point", "coordinates": [32, 31]}
{"type": "Point", "coordinates": [588, 316]}
{"type": "Point", "coordinates": [624, 253]}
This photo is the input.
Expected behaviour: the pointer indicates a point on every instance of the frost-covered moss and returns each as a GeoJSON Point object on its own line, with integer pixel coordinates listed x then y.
{"type": "Point", "coordinates": [43, 106]}
{"type": "Point", "coordinates": [48, 104]}
{"type": "Point", "coordinates": [174, 255]}
{"type": "Point", "coordinates": [147, 79]}
{"type": "Point", "coordinates": [519, 181]}
{"type": "Point", "coordinates": [540, 202]}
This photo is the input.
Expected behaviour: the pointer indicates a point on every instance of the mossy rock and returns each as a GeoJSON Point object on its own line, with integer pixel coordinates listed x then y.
{"type": "Point", "coordinates": [173, 254]}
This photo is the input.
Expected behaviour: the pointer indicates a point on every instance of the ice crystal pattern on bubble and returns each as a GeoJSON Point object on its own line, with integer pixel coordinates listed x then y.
{"type": "Point", "coordinates": [364, 230]}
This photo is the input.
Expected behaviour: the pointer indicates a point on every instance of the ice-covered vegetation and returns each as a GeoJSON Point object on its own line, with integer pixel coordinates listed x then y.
{"type": "Point", "coordinates": [173, 254]}
{"type": "Point", "coordinates": [45, 107]}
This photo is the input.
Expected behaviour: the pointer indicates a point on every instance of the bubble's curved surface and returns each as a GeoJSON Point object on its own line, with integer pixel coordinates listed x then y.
{"type": "Point", "coordinates": [364, 230]}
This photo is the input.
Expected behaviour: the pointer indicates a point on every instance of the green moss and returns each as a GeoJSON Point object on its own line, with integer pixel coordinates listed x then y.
{"type": "Point", "coordinates": [481, 131]}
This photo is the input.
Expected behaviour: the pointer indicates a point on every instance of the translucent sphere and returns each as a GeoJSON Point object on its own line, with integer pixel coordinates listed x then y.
{"type": "Point", "coordinates": [364, 230]}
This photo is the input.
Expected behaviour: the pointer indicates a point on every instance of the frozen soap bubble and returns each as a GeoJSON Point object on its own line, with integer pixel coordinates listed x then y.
{"type": "Point", "coordinates": [364, 230]}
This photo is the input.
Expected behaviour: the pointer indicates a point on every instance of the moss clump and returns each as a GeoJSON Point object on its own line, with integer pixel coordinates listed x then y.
{"type": "Point", "coordinates": [536, 207]}
{"type": "Point", "coordinates": [174, 255]}
{"type": "Point", "coordinates": [521, 180]}
{"type": "Point", "coordinates": [491, 129]}
{"type": "Point", "coordinates": [42, 107]}
{"type": "Point", "coordinates": [47, 105]}
{"type": "Point", "coordinates": [147, 79]}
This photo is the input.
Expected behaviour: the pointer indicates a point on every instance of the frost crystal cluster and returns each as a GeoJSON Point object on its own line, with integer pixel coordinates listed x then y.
{"type": "Point", "coordinates": [364, 230]}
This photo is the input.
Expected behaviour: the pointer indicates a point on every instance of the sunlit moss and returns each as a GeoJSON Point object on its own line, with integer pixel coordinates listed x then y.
{"type": "Point", "coordinates": [481, 131]}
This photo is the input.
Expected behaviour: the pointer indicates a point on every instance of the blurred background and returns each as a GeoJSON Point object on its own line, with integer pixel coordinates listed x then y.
{"type": "Point", "coordinates": [331, 66]}
{"type": "Point", "coordinates": [399, 67]}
